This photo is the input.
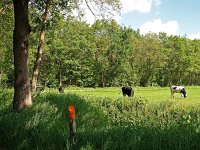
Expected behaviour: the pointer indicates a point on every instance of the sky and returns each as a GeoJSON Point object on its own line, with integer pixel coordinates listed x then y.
{"type": "Point", "coordinates": [174, 17]}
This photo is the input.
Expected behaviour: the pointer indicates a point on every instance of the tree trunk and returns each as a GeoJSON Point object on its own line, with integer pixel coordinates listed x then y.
{"type": "Point", "coordinates": [37, 62]}
{"type": "Point", "coordinates": [60, 80]}
{"type": "Point", "coordinates": [103, 77]}
{"type": "Point", "coordinates": [1, 72]}
{"type": "Point", "coordinates": [22, 95]}
{"type": "Point", "coordinates": [40, 48]}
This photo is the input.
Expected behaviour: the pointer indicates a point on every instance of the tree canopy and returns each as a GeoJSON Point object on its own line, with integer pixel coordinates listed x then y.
{"type": "Point", "coordinates": [102, 54]}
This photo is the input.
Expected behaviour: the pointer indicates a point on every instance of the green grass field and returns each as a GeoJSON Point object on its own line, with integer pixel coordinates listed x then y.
{"type": "Point", "coordinates": [105, 120]}
{"type": "Point", "coordinates": [149, 93]}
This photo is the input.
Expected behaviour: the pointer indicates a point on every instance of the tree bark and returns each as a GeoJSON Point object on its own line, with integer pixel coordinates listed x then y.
{"type": "Point", "coordinates": [103, 77]}
{"type": "Point", "coordinates": [22, 95]}
{"type": "Point", "coordinates": [1, 72]}
{"type": "Point", "coordinates": [40, 48]}
{"type": "Point", "coordinates": [60, 79]}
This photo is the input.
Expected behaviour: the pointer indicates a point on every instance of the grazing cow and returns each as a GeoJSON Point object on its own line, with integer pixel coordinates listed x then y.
{"type": "Point", "coordinates": [178, 89]}
{"type": "Point", "coordinates": [40, 89]}
{"type": "Point", "coordinates": [127, 91]}
{"type": "Point", "coordinates": [61, 89]}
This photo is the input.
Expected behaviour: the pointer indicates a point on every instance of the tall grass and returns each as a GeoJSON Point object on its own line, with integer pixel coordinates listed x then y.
{"type": "Point", "coordinates": [104, 121]}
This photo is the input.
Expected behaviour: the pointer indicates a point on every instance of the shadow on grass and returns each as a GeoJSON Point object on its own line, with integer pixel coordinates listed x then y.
{"type": "Point", "coordinates": [45, 126]}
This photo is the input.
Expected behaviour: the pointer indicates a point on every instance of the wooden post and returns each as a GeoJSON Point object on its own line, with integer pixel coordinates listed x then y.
{"type": "Point", "coordinates": [72, 123]}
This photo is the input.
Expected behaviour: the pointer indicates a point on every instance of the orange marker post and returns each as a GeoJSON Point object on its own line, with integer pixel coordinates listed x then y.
{"type": "Point", "coordinates": [72, 123]}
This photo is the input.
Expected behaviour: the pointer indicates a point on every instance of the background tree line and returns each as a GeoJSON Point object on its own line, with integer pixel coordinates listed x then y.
{"type": "Point", "coordinates": [101, 55]}
{"type": "Point", "coordinates": [43, 14]}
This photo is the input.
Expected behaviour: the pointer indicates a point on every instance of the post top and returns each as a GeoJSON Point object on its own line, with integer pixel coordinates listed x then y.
{"type": "Point", "coordinates": [71, 112]}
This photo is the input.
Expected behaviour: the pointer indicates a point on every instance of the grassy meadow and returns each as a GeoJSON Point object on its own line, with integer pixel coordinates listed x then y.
{"type": "Point", "coordinates": [105, 120]}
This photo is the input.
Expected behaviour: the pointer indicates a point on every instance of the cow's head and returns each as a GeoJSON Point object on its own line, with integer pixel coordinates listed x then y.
{"type": "Point", "coordinates": [183, 92]}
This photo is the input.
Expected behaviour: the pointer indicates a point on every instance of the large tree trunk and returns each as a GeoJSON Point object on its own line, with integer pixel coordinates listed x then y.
{"type": "Point", "coordinates": [1, 72]}
{"type": "Point", "coordinates": [40, 48]}
{"type": "Point", "coordinates": [22, 95]}
{"type": "Point", "coordinates": [1, 78]}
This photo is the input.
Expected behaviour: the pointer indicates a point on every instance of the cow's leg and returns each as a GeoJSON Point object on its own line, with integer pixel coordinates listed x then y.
{"type": "Point", "coordinates": [182, 95]}
{"type": "Point", "coordinates": [131, 93]}
{"type": "Point", "coordinates": [171, 93]}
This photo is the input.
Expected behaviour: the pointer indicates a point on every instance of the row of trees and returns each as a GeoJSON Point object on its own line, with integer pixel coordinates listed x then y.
{"type": "Point", "coordinates": [107, 54]}
{"type": "Point", "coordinates": [102, 54]}
{"type": "Point", "coordinates": [44, 10]}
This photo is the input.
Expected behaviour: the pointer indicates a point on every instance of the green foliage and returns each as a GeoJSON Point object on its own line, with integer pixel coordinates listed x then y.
{"type": "Point", "coordinates": [6, 33]}
{"type": "Point", "coordinates": [106, 54]}
{"type": "Point", "coordinates": [103, 54]}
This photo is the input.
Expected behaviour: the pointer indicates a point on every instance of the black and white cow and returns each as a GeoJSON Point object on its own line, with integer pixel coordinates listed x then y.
{"type": "Point", "coordinates": [61, 89]}
{"type": "Point", "coordinates": [127, 91]}
{"type": "Point", "coordinates": [39, 89]}
{"type": "Point", "coordinates": [178, 89]}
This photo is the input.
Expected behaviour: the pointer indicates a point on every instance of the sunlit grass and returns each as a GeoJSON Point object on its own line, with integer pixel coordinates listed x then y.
{"type": "Point", "coordinates": [105, 120]}
{"type": "Point", "coordinates": [149, 93]}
